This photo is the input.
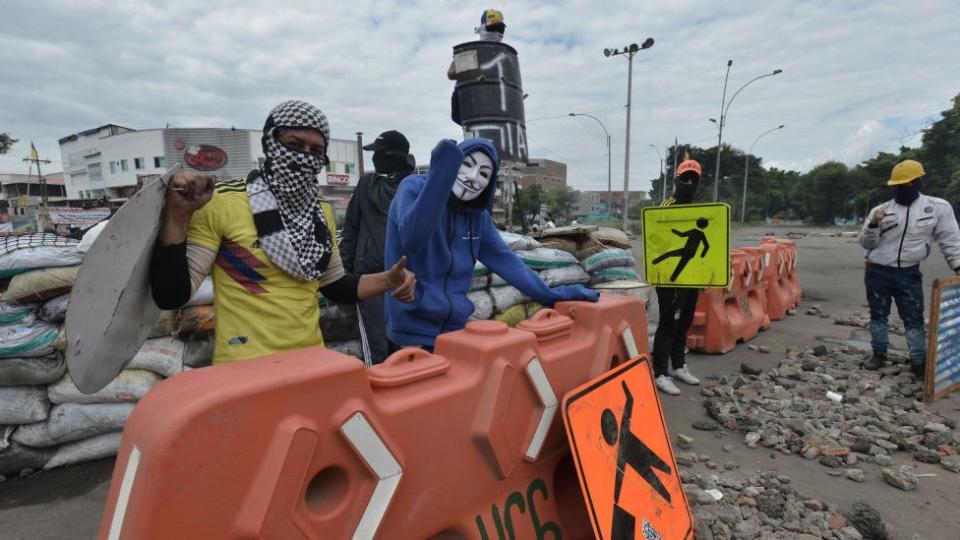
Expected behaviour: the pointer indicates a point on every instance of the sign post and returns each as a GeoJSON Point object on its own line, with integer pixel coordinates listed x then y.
{"type": "Point", "coordinates": [687, 245]}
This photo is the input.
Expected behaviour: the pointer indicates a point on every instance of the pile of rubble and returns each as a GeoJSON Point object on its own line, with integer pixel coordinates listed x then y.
{"type": "Point", "coordinates": [821, 405]}
{"type": "Point", "coordinates": [766, 505]}
{"type": "Point", "coordinates": [862, 320]}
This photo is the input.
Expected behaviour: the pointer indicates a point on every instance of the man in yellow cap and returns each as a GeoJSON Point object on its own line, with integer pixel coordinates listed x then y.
{"type": "Point", "coordinates": [897, 239]}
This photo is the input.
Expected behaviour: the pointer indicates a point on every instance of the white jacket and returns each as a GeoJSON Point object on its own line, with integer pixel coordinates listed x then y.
{"type": "Point", "coordinates": [904, 235]}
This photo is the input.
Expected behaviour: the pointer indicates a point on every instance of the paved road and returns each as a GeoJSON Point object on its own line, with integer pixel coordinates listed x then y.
{"type": "Point", "coordinates": [67, 503]}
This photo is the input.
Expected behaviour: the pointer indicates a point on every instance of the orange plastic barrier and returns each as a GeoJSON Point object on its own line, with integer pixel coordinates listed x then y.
{"type": "Point", "coordinates": [754, 299]}
{"type": "Point", "coordinates": [783, 286]}
{"type": "Point", "coordinates": [463, 443]}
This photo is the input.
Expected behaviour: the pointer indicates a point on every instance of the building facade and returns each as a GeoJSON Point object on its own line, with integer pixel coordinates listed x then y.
{"type": "Point", "coordinates": [545, 173]}
{"type": "Point", "coordinates": [111, 161]}
{"type": "Point", "coordinates": [595, 203]}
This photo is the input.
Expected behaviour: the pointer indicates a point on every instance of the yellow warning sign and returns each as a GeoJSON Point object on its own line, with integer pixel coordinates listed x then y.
{"type": "Point", "coordinates": [687, 245]}
{"type": "Point", "coordinates": [623, 457]}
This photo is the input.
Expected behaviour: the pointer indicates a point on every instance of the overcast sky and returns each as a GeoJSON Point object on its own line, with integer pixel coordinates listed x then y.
{"type": "Point", "coordinates": [858, 76]}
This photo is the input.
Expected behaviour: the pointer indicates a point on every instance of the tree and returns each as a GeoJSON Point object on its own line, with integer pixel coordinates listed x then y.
{"type": "Point", "coordinates": [531, 198]}
{"type": "Point", "coordinates": [560, 200]}
{"type": "Point", "coordinates": [6, 142]}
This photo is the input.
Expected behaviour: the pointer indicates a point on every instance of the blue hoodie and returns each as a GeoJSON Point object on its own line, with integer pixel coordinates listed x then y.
{"type": "Point", "coordinates": [442, 238]}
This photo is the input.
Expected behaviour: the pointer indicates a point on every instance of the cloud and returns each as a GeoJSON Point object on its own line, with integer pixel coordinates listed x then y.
{"type": "Point", "coordinates": [849, 88]}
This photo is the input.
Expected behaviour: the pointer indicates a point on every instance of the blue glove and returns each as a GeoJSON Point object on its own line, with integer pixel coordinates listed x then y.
{"type": "Point", "coordinates": [576, 292]}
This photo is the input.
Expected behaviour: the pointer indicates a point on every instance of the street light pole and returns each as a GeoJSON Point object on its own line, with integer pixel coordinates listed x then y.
{"type": "Point", "coordinates": [724, 109]}
{"type": "Point", "coordinates": [663, 182]}
{"type": "Point", "coordinates": [746, 173]}
{"type": "Point", "coordinates": [630, 50]}
{"type": "Point", "coordinates": [609, 178]}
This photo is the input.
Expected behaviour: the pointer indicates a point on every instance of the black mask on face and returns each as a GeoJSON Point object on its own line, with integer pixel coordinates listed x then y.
{"type": "Point", "coordinates": [386, 162]}
{"type": "Point", "coordinates": [684, 192]}
{"type": "Point", "coordinates": [905, 194]}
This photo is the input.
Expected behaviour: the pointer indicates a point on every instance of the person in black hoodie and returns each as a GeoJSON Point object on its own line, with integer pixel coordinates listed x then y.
{"type": "Point", "coordinates": [677, 305]}
{"type": "Point", "coordinates": [365, 231]}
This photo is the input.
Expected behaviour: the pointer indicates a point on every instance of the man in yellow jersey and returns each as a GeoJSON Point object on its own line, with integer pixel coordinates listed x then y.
{"type": "Point", "coordinates": [677, 305]}
{"type": "Point", "coordinates": [269, 240]}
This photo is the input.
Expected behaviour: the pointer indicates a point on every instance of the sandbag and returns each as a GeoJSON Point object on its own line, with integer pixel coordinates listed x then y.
{"type": "Point", "coordinates": [482, 305]}
{"type": "Point", "coordinates": [32, 371]}
{"type": "Point", "coordinates": [89, 237]}
{"type": "Point", "coordinates": [20, 253]}
{"type": "Point", "coordinates": [350, 348]}
{"type": "Point", "coordinates": [609, 258]}
{"type": "Point", "coordinates": [479, 269]}
{"type": "Point", "coordinates": [505, 297]}
{"type": "Point", "coordinates": [338, 322]}
{"type": "Point", "coordinates": [480, 282]}
{"type": "Point", "coordinates": [16, 458]}
{"type": "Point", "coordinates": [588, 246]}
{"type": "Point", "coordinates": [543, 258]}
{"type": "Point", "coordinates": [55, 309]}
{"type": "Point", "coordinates": [69, 422]}
{"type": "Point", "coordinates": [130, 385]}
{"type": "Point", "coordinates": [612, 237]}
{"type": "Point", "coordinates": [16, 313]}
{"type": "Point", "coordinates": [195, 321]}
{"type": "Point", "coordinates": [98, 447]}
{"type": "Point", "coordinates": [518, 242]}
{"type": "Point", "coordinates": [203, 296]}
{"type": "Point", "coordinates": [163, 356]}
{"type": "Point", "coordinates": [28, 340]}
{"type": "Point", "coordinates": [165, 326]}
{"type": "Point", "coordinates": [199, 352]}
{"type": "Point", "coordinates": [40, 285]}
{"type": "Point", "coordinates": [497, 281]}
{"type": "Point", "coordinates": [606, 275]}
{"type": "Point", "coordinates": [568, 275]}
{"type": "Point", "coordinates": [514, 315]}
{"type": "Point", "coordinates": [563, 243]}
{"type": "Point", "coordinates": [23, 405]}
{"type": "Point", "coordinates": [60, 342]}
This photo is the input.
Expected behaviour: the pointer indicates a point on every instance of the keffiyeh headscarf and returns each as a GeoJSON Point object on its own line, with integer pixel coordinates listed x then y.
{"type": "Point", "coordinates": [284, 196]}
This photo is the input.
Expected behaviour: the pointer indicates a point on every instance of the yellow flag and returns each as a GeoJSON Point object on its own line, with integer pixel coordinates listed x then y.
{"type": "Point", "coordinates": [33, 151]}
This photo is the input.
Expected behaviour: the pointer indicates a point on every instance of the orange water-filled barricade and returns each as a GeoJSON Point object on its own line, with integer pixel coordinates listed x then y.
{"type": "Point", "coordinates": [463, 443]}
{"type": "Point", "coordinates": [725, 316]}
{"type": "Point", "coordinates": [783, 285]}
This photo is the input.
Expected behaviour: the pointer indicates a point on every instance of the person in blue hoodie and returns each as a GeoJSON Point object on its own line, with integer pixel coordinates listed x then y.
{"type": "Point", "coordinates": [441, 223]}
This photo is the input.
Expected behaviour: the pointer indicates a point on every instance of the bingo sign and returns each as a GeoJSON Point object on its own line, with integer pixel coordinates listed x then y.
{"type": "Point", "coordinates": [943, 345]}
{"type": "Point", "coordinates": [338, 179]}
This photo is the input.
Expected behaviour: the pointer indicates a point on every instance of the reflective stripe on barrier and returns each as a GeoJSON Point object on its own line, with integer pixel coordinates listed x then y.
{"type": "Point", "coordinates": [779, 291]}
{"type": "Point", "coordinates": [463, 443]}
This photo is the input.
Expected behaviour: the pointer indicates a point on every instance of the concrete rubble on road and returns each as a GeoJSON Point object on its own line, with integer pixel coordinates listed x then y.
{"type": "Point", "coordinates": [820, 404]}
{"type": "Point", "coordinates": [766, 505]}
{"type": "Point", "coordinates": [860, 319]}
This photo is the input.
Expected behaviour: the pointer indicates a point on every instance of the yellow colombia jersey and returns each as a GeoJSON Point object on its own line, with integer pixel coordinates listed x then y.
{"type": "Point", "coordinates": [260, 309]}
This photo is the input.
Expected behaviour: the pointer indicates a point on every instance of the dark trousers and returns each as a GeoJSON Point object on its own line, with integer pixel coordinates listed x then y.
{"type": "Point", "coordinates": [375, 328]}
{"type": "Point", "coordinates": [677, 307]}
{"type": "Point", "coordinates": [905, 287]}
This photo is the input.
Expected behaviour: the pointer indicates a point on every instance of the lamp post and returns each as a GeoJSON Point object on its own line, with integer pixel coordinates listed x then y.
{"type": "Point", "coordinates": [724, 109]}
{"type": "Point", "coordinates": [609, 181]}
{"type": "Point", "coordinates": [663, 182]}
{"type": "Point", "coordinates": [746, 172]}
{"type": "Point", "coordinates": [630, 50]}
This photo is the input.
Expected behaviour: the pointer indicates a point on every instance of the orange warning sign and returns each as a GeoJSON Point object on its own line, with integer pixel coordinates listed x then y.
{"type": "Point", "coordinates": [623, 456]}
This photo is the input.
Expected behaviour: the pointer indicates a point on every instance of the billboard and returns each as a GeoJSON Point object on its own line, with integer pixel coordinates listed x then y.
{"type": "Point", "coordinates": [224, 152]}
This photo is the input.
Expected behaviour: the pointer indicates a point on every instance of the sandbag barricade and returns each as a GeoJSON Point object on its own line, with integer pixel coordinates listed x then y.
{"type": "Point", "coordinates": [783, 286]}
{"type": "Point", "coordinates": [464, 443]}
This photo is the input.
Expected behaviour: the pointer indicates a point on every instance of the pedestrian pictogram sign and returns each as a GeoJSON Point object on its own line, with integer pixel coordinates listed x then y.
{"type": "Point", "coordinates": [623, 457]}
{"type": "Point", "coordinates": [687, 245]}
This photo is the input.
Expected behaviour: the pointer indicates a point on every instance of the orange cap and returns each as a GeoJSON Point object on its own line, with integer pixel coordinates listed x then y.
{"type": "Point", "coordinates": [689, 165]}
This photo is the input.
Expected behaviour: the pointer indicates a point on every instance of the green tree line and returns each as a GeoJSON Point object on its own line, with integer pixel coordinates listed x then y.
{"type": "Point", "coordinates": [832, 189]}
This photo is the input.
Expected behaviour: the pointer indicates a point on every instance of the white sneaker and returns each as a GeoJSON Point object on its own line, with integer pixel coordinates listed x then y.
{"type": "Point", "coordinates": [684, 375]}
{"type": "Point", "coordinates": [665, 384]}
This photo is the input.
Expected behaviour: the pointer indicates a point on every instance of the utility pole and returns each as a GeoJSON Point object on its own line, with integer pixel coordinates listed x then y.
{"type": "Point", "coordinates": [607, 133]}
{"type": "Point", "coordinates": [631, 51]}
{"type": "Point", "coordinates": [35, 159]}
{"type": "Point", "coordinates": [359, 153]}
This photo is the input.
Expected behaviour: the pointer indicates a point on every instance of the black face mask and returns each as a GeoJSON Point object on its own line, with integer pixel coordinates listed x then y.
{"type": "Point", "coordinates": [905, 194]}
{"type": "Point", "coordinates": [684, 192]}
{"type": "Point", "coordinates": [387, 162]}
